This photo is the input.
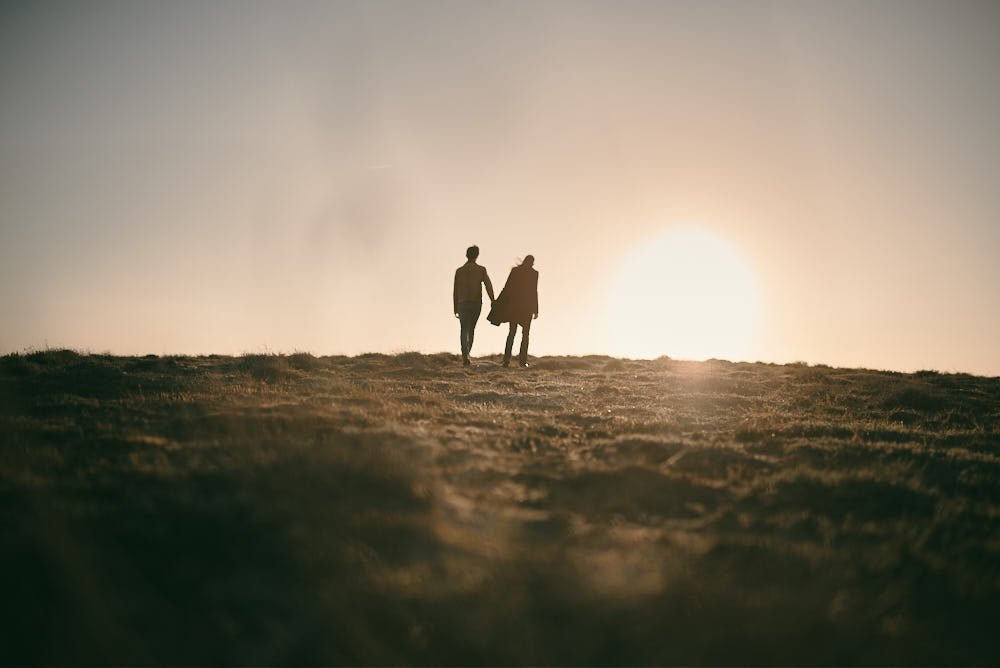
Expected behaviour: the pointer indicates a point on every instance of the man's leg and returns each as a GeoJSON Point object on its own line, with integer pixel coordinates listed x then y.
{"type": "Point", "coordinates": [463, 319]}
{"type": "Point", "coordinates": [525, 329]}
{"type": "Point", "coordinates": [461, 335]}
{"type": "Point", "coordinates": [474, 311]}
{"type": "Point", "coordinates": [510, 343]}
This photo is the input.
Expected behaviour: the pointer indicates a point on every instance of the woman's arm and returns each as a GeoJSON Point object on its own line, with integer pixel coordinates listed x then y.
{"type": "Point", "coordinates": [535, 295]}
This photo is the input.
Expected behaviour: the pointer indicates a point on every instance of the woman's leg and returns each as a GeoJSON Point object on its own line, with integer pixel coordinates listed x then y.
{"type": "Point", "coordinates": [525, 328]}
{"type": "Point", "coordinates": [510, 343]}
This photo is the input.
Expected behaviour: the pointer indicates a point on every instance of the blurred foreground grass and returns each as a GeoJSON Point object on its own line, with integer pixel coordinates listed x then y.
{"type": "Point", "coordinates": [401, 509]}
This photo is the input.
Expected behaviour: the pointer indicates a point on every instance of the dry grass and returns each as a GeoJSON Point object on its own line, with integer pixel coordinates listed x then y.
{"type": "Point", "coordinates": [401, 509]}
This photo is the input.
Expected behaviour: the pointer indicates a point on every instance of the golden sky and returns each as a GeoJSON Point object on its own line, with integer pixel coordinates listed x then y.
{"type": "Point", "coordinates": [778, 181]}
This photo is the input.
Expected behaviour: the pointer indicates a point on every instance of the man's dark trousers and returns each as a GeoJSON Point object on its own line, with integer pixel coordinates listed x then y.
{"type": "Point", "coordinates": [468, 316]}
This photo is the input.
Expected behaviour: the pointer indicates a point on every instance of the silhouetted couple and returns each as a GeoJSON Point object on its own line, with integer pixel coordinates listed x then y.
{"type": "Point", "coordinates": [517, 303]}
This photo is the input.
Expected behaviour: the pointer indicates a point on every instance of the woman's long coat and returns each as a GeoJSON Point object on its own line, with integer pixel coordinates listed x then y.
{"type": "Point", "coordinates": [518, 301]}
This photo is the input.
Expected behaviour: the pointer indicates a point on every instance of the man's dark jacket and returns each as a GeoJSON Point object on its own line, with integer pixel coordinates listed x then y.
{"type": "Point", "coordinates": [518, 301]}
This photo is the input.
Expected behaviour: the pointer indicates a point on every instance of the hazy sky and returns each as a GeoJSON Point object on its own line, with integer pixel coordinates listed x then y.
{"type": "Point", "coordinates": [227, 177]}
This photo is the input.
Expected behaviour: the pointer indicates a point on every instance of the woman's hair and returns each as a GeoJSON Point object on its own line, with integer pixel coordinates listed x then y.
{"type": "Point", "coordinates": [529, 261]}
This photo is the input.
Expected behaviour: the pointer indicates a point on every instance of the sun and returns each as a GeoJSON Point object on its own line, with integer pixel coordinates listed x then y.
{"type": "Point", "coordinates": [687, 293]}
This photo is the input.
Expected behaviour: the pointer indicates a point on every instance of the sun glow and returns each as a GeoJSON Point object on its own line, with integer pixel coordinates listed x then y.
{"type": "Point", "coordinates": [687, 293]}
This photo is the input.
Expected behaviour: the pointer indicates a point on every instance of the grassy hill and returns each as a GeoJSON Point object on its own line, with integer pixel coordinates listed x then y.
{"type": "Point", "coordinates": [402, 509]}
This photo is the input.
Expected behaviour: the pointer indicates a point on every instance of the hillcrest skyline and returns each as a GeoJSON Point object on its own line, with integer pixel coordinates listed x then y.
{"type": "Point", "coordinates": [778, 182]}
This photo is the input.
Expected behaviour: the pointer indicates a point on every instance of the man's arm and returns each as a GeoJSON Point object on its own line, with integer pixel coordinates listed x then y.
{"type": "Point", "coordinates": [454, 295]}
{"type": "Point", "coordinates": [489, 286]}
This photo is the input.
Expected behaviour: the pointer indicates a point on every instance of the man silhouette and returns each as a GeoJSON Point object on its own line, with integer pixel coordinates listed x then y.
{"type": "Point", "coordinates": [468, 298]}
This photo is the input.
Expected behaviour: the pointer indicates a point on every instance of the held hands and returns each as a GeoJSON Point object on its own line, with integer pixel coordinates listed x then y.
{"type": "Point", "coordinates": [536, 316]}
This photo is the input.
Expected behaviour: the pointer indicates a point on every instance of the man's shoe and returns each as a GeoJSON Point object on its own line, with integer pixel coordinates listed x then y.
{"type": "Point", "coordinates": [466, 362]}
{"type": "Point", "coordinates": [506, 363]}
{"type": "Point", "coordinates": [523, 365]}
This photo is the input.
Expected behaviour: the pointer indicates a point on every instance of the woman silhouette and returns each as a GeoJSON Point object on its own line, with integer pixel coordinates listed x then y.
{"type": "Point", "coordinates": [517, 304]}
